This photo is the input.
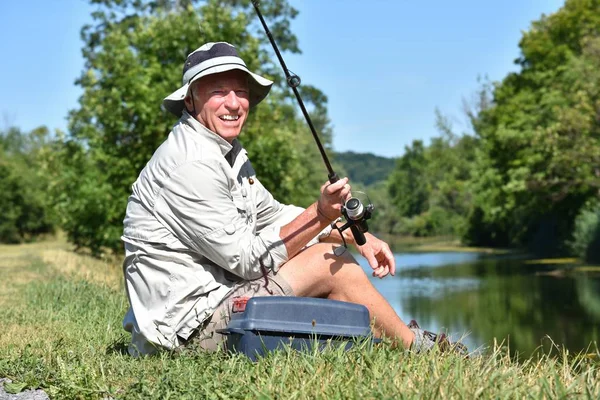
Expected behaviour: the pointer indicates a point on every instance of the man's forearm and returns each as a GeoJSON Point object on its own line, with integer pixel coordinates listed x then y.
{"type": "Point", "coordinates": [336, 237]}
{"type": "Point", "coordinates": [296, 234]}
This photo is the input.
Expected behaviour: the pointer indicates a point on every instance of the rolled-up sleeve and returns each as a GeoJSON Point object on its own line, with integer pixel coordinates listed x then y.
{"type": "Point", "coordinates": [197, 205]}
{"type": "Point", "coordinates": [271, 212]}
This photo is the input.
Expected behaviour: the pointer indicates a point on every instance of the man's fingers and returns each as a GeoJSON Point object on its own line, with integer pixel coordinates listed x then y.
{"type": "Point", "coordinates": [348, 197]}
{"type": "Point", "coordinates": [385, 272]}
{"type": "Point", "coordinates": [372, 261]}
{"type": "Point", "coordinates": [335, 187]}
{"type": "Point", "coordinates": [381, 272]}
{"type": "Point", "coordinates": [380, 257]}
{"type": "Point", "coordinates": [390, 259]}
{"type": "Point", "coordinates": [385, 262]}
{"type": "Point", "coordinates": [345, 193]}
{"type": "Point", "coordinates": [329, 203]}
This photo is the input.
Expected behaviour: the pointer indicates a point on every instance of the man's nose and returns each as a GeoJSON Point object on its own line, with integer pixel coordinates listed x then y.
{"type": "Point", "coordinates": [232, 100]}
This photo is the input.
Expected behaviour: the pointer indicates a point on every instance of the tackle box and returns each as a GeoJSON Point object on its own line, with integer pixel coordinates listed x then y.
{"type": "Point", "coordinates": [268, 323]}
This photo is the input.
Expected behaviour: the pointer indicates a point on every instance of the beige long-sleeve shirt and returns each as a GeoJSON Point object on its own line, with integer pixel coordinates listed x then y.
{"type": "Point", "coordinates": [198, 221]}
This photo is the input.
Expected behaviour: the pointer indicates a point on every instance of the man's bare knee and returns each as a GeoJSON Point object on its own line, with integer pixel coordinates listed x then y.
{"type": "Point", "coordinates": [322, 255]}
{"type": "Point", "coordinates": [317, 271]}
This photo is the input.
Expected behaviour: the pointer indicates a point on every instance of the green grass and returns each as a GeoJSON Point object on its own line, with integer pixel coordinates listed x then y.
{"type": "Point", "coordinates": [60, 330]}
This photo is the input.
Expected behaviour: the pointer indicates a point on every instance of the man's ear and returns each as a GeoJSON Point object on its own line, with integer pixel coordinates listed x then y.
{"type": "Point", "coordinates": [188, 102]}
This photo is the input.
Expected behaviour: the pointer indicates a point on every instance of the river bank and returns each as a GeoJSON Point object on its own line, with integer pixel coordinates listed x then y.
{"type": "Point", "coordinates": [437, 244]}
{"type": "Point", "coordinates": [61, 317]}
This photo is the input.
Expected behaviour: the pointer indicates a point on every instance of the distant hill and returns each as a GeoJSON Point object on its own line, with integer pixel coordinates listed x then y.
{"type": "Point", "coordinates": [365, 168]}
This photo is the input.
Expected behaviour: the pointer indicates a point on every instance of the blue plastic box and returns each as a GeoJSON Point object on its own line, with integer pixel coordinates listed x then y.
{"type": "Point", "coordinates": [269, 323]}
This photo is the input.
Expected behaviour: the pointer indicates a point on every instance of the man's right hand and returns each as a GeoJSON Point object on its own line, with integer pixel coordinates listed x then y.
{"type": "Point", "coordinates": [333, 196]}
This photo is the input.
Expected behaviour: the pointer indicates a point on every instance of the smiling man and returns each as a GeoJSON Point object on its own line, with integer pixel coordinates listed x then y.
{"type": "Point", "coordinates": [224, 102]}
{"type": "Point", "coordinates": [201, 230]}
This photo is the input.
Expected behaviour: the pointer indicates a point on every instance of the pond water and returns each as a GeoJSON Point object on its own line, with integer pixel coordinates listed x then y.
{"type": "Point", "coordinates": [501, 297]}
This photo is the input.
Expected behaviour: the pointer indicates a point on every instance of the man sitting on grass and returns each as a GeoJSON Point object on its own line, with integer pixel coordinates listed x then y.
{"type": "Point", "coordinates": [201, 229]}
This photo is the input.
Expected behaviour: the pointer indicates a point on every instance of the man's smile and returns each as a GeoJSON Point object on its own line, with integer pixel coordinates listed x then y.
{"type": "Point", "coordinates": [229, 117]}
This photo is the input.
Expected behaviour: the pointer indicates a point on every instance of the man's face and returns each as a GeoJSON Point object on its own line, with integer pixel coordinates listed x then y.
{"type": "Point", "coordinates": [221, 102]}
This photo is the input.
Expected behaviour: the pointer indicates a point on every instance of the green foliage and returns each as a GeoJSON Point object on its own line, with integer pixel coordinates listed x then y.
{"type": "Point", "coordinates": [430, 185]}
{"type": "Point", "coordinates": [534, 159]}
{"type": "Point", "coordinates": [385, 219]}
{"type": "Point", "coordinates": [520, 181]}
{"type": "Point", "coordinates": [368, 174]}
{"type": "Point", "coordinates": [365, 169]}
{"type": "Point", "coordinates": [284, 154]}
{"type": "Point", "coordinates": [26, 211]}
{"type": "Point", "coordinates": [90, 212]}
{"type": "Point", "coordinates": [585, 243]}
{"type": "Point", "coordinates": [134, 53]}
{"type": "Point", "coordinates": [408, 186]}
{"type": "Point", "coordinates": [539, 154]}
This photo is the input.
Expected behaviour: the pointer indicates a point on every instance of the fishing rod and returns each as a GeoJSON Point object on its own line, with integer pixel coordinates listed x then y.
{"type": "Point", "coordinates": [353, 210]}
{"type": "Point", "coordinates": [294, 81]}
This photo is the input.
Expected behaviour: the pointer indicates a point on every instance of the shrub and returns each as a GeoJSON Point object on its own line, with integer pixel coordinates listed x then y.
{"type": "Point", "coordinates": [585, 243]}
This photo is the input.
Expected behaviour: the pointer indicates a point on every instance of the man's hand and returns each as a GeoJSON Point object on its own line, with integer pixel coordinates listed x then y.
{"type": "Point", "coordinates": [333, 195]}
{"type": "Point", "coordinates": [378, 254]}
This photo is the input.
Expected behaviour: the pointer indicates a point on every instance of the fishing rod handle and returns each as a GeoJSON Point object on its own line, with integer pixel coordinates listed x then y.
{"type": "Point", "coordinates": [359, 237]}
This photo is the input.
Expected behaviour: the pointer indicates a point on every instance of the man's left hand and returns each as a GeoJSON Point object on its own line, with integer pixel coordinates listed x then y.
{"type": "Point", "coordinates": [378, 254]}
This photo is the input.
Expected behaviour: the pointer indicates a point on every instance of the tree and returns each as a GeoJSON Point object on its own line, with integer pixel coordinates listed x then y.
{"type": "Point", "coordinates": [134, 53]}
{"type": "Point", "coordinates": [26, 211]}
{"type": "Point", "coordinates": [450, 158]}
{"type": "Point", "coordinates": [364, 168]}
{"type": "Point", "coordinates": [408, 185]}
{"type": "Point", "coordinates": [430, 185]}
{"type": "Point", "coordinates": [540, 138]}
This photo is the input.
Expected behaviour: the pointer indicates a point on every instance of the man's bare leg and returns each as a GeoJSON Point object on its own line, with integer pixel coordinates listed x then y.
{"type": "Point", "coordinates": [317, 272]}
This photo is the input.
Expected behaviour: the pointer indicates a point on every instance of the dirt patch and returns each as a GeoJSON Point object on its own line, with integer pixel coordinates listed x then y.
{"type": "Point", "coordinates": [20, 335]}
{"type": "Point", "coordinates": [91, 269]}
{"type": "Point", "coordinates": [12, 284]}
{"type": "Point", "coordinates": [16, 271]}
{"type": "Point", "coordinates": [24, 263]}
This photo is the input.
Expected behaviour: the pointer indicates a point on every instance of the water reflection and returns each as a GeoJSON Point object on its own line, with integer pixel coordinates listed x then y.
{"type": "Point", "coordinates": [501, 297]}
{"type": "Point", "coordinates": [418, 260]}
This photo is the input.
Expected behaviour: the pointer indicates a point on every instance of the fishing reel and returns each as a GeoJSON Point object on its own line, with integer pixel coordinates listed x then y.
{"type": "Point", "coordinates": [356, 215]}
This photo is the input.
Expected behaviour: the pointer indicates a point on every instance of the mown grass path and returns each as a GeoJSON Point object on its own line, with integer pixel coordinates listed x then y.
{"type": "Point", "coordinates": [60, 330]}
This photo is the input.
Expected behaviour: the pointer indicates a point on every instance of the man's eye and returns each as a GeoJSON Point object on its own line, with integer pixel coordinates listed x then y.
{"type": "Point", "coordinates": [242, 91]}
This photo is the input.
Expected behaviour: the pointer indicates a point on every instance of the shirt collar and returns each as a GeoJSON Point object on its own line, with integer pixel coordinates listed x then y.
{"type": "Point", "coordinates": [206, 133]}
{"type": "Point", "coordinates": [232, 155]}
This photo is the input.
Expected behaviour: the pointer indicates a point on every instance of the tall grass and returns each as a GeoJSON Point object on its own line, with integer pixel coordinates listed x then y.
{"type": "Point", "coordinates": [60, 330]}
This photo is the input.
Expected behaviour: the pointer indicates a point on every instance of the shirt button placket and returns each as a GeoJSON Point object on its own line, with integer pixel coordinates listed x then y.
{"type": "Point", "coordinates": [252, 196]}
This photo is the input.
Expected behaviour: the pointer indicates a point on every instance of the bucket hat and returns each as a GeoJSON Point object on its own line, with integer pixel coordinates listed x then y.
{"type": "Point", "coordinates": [213, 58]}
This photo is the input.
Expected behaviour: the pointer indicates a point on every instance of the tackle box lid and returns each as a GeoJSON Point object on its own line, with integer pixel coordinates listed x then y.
{"type": "Point", "coordinates": [301, 315]}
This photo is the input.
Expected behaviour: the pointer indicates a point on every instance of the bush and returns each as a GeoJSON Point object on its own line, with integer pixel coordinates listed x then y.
{"type": "Point", "coordinates": [586, 235]}
{"type": "Point", "coordinates": [24, 209]}
{"type": "Point", "coordinates": [434, 222]}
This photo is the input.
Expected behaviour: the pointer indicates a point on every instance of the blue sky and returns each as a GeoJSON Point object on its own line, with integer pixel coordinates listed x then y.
{"type": "Point", "coordinates": [384, 64]}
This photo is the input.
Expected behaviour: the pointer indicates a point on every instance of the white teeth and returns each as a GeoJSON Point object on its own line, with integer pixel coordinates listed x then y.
{"type": "Point", "coordinates": [230, 117]}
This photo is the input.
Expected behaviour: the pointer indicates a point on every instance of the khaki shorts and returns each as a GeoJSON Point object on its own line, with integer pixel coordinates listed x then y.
{"type": "Point", "coordinates": [206, 336]}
